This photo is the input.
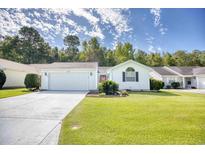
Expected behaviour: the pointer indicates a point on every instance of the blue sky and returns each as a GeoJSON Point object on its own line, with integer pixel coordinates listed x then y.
{"type": "Point", "coordinates": [152, 30]}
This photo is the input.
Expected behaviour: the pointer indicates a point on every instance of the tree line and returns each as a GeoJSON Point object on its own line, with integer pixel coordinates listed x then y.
{"type": "Point", "coordinates": [29, 47]}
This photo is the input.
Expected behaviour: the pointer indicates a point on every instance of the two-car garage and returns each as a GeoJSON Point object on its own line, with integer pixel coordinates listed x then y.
{"type": "Point", "coordinates": [201, 82]}
{"type": "Point", "coordinates": [68, 81]}
{"type": "Point", "coordinates": [68, 76]}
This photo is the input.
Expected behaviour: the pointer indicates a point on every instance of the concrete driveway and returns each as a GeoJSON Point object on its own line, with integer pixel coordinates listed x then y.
{"type": "Point", "coordinates": [35, 118]}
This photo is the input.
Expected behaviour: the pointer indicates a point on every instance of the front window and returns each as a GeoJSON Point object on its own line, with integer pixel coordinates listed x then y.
{"type": "Point", "coordinates": [130, 75]}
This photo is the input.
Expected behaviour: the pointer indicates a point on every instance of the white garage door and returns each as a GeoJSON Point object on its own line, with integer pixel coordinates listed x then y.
{"type": "Point", "coordinates": [201, 82]}
{"type": "Point", "coordinates": [68, 81]}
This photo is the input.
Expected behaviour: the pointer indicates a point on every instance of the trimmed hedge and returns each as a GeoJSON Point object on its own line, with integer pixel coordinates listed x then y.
{"type": "Point", "coordinates": [175, 85]}
{"type": "Point", "coordinates": [108, 87]}
{"type": "Point", "coordinates": [2, 78]}
{"type": "Point", "coordinates": [156, 84]}
{"type": "Point", "coordinates": [32, 81]}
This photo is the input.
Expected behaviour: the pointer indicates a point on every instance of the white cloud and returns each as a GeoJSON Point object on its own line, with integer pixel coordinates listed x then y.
{"type": "Point", "coordinates": [149, 39]}
{"type": "Point", "coordinates": [159, 49]}
{"type": "Point", "coordinates": [50, 22]}
{"type": "Point", "coordinates": [162, 30]}
{"type": "Point", "coordinates": [86, 14]}
{"type": "Point", "coordinates": [55, 23]}
{"type": "Point", "coordinates": [156, 12]}
{"type": "Point", "coordinates": [154, 49]}
{"type": "Point", "coordinates": [114, 18]}
{"type": "Point", "coordinates": [151, 48]}
{"type": "Point", "coordinates": [156, 15]}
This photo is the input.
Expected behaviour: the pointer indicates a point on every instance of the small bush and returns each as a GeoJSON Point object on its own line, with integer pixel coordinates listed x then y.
{"type": "Point", "coordinates": [100, 88]}
{"type": "Point", "coordinates": [124, 93]}
{"type": "Point", "coordinates": [156, 84]}
{"type": "Point", "coordinates": [108, 87]}
{"type": "Point", "coordinates": [32, 81]}
{"type": "Point", "coordinates": [2, 78]}
{"type": "Point", "coordinates": [102, 94]}
{"type": "Point", "coordinates": [175, 85]}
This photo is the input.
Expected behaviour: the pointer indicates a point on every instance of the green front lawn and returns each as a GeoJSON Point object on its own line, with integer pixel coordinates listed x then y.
{"type": "Point", "coordinates": [166, 117]}
{"type": "Point", "coordinates": [4, 93]}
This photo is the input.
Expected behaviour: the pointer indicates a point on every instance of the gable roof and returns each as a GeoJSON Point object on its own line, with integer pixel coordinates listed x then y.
{"type": "Point", "coordinates": [103, 70]}
{"type": "Point", "coordinates": [132, 61]}
{"type": "Point", "coordinates": [199, 71]}
{"type": "Point", "coordinates": [66, 65]}
{"type": "Point", "coordinates": [163, 71]}
{"type": "Point", "coordinates": [7, 64]}
{"type": "Point", "coordinates": [183, 70]}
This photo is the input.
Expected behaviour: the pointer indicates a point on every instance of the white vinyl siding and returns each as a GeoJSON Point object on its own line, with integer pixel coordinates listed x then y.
{"type": "Point", "coordinates": [143, 83]}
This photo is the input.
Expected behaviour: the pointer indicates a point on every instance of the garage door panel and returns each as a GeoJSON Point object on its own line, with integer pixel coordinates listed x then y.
{"type": "Point", "coordinates": [68, 81]}
{"type": "Point", "coordinates": [201, 82]}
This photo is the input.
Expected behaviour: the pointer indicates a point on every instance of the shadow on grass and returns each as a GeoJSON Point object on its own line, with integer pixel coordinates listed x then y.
{"type": "Point", "coordinates": [160, 93]}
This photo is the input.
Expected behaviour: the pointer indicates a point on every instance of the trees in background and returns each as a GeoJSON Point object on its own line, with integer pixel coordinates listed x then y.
{"type": "Point", "coordinates": [141, 56]}
{"type": "Point", "coordinates": [123, 52]}
{"type": "Point", "coordinates": [9, 49]}
{"type": "Point", "coordinates": [32, 46]}
{"type": "Point", "coordinates": [72, 43]}
{"type": "Point", "coordinates": [29, 47]}
{"type": "Point", "coordinates": [92, 51]}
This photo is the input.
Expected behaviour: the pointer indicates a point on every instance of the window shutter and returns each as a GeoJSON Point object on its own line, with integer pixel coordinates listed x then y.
{"type": "Point", "coordinates": [137, 77]}
{"type": "Point", "coordinates": [123, 76]}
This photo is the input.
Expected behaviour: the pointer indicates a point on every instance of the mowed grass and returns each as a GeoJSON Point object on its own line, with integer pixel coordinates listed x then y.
{"type": "Point", "coordinates": [141, 118]}
{"type": "Point", "coordinates": [4, 93]}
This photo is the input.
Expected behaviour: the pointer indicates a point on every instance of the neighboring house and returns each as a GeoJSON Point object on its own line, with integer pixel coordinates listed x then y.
{"type": "Point", "coordinates": [86, 75]}
{"type": "Point", "coordinates": [15, 72]}
{"type": "Point", "coordinates": [188, 77]}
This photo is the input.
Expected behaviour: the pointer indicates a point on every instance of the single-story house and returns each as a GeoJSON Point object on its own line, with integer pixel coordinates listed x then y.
{"type": "Point", "coordinates": [130, 75]}
{"type": "Point", "coordinates": [86, 75]}
{"type": "Point", "coordinates": [15, 72]}
{"type": "Point", "coordinates": [188, 77]}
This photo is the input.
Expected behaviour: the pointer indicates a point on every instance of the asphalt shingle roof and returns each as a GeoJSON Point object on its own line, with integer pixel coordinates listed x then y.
{"type": "Point", "coordinates": [67, 65]}
{"type": "Point", "coordinates": [7, 64]}
{"type": "Point", "coordinates": [199, 71]}
{"type": "Point", "coordinates": [103, 70]}
{"type": "Point", "coordinates": [183, 70]}
{"type": "Point", "coordinates": [163, 71]}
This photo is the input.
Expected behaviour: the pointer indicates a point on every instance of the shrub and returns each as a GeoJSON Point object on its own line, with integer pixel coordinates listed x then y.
{"type": "Point", "coordinates": [175, 85]}
{"type": "Point", "coordinates": [100, 88]}
{"type": "Point", "coordinates": [2, 78]}
{"type": "Point", "coordinates": [124, 93]}
{"type": "Point", "coordinates": [32, 81]}
{"type": "Point", "coordinates": [108, 87]}
{"type": "Point", "coordinates": [102, 94]}
{"type": "Point", "coordinates": [156, 84]}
